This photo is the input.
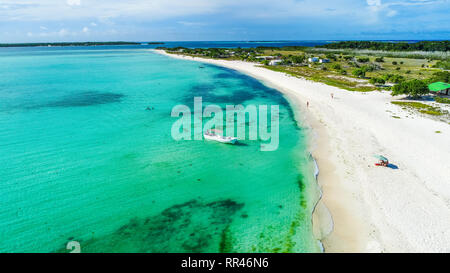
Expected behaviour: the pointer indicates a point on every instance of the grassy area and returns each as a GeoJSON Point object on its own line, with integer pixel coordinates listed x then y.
{"type": "Point", "coordinates": [408, 68]}
{"type": "Point", "coordinates": [353, 72]}
{"type": "Point", "coordinates": [421, 107]}
{"type": "Point", "coordinates": [438, 55]}
{"type": "Point", "coordinates": [329, 78]}
{"type": "Point", "coordinates": [442, 100]}
{"type": "Point", "coordinates": [345, 64]}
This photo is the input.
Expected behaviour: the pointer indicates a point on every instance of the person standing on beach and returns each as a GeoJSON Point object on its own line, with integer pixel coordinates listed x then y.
{"type": "Point", "coordinates": [307, 104]}
{"type": "Point", "coordinates": [332, 96]}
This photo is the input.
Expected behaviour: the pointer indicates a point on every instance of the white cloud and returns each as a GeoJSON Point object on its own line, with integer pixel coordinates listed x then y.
{"type": "Point", "coordinates": [374, 2]}
{"type": "Point", "coordinates": [391, 13]}
{"type": "Point", "coordinates": [43, 28]}
{"type": "Point", "coordinates": [74, 2]}
{"type": "Point", "coordinates": [85, 30]}
{"type": "Point", "coordinates": [190, 24]}
{"type": "Point", "coordinates": [151, 10]}
{"type": "Point", "coordinates": [129, 15]}
{"type": "Point", "coordinates": [63, 32]}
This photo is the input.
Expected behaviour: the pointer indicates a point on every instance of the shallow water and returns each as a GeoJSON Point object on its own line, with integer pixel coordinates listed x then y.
{"type": "Point", "coordinates": [82, 159]}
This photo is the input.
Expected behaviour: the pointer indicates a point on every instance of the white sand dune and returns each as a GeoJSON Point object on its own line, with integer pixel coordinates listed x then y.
{"type": "Point", "coordinates": [373, 208]}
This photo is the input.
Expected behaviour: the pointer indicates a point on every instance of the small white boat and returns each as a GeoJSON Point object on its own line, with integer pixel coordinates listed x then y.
{"type": "Point", "coordinates": [217, 135]}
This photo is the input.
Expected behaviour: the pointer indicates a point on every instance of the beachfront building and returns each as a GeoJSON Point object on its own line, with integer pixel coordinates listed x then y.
{"type": "Point", "coordinates": [322, 61]}
{"type": "Point", "coordinates": [441, 88]}
{"type": "Point", "coordinates": [275, 62]}
{"type": "Point", "coordinates": [313, 59]}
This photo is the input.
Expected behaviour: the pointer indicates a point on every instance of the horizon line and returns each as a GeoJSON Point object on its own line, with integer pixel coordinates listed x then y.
{"type": "Point", "coordinates": [244, 41]}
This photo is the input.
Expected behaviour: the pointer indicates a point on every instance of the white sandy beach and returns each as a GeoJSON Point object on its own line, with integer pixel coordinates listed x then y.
{"type": "Point", "coordinates": [373, 209]}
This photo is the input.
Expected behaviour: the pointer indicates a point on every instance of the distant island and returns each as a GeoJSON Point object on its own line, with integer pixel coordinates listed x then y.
{"type": "Point", "coordinates": [76, 44]}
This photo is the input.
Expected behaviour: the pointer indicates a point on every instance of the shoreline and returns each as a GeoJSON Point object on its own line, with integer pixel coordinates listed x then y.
{"type": "Point", "coordinates": [322, 221]}
{"type": "Point", "coordinates": [372, 209]}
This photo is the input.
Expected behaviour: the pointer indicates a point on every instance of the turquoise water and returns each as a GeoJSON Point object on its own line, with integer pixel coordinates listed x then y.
{"type": "Point", "coordinates": [82, 159]}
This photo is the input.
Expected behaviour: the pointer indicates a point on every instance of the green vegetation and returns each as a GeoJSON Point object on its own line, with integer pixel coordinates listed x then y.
{"type": "Point", "coordinates": [72, 44]}
{"type": "Point", "coordinates": [244, 54]}
{"type": "Point", "coordinates": [293, 59]}
{"type": "Point", "coordinates": [347, 57]}
{"type": "Point", "coordinates": [413, 88]}
{"type": "Point", "coordinates": [431, 112]}
{"type": "Point", "coordinates": [226, 245]}
{"type": "Point", "coordinates": [403, 46]}
{"type": "Point", "coordinates": [421, 107]}
{"type": "Point", "coordinates": [442, 100]}
{"type": "Point", "coordinates": [393, 78]}
{"type": "Point", "coordinates": [350, 71]}
{"type": "Point", "coordinates": [363, 59]}
{"type": "Point", "coordinates": [361, 72]}
{"type": "Point", "coordinates": [336, 67]}
{"type": "Point", "coordinates": [441, 76]}
{"type": "Point", "coordinates": [377, 80]}
{"type": "Point", "coordinates": [323, 77]}
{"type": "Point", "coordinates": [443, 65]}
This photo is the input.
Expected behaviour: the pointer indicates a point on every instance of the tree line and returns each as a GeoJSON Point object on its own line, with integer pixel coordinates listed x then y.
{"type": "Point", "coordinates": [390, 46]}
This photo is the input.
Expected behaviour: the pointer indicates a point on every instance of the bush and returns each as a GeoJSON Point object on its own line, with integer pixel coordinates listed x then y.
{"type": "Point", "coordinates": [368, 68]}
{"type": "Point", "coordinates": [379, 59]}
{"type": "Point", "coordinates": [442, 100]}
{"type": "Point", "coordinates": [394, 63]}
{"type": "Point", "coordinates": [394, 78]}
{"type": "Point", "coordinates": [377, 81]}
{"type": "Point", "coordinates": [348, 57]}
{"type": "Point", "coordinates": [443, 65]}
{"type": "Point", "coordinates": [360, 72]}
{"type": "Point", "coordinates": [331, 56]}
{"type": "Point", "coordinates": [298, 59]}
{"type": "Point", "coordinates": [363, 59]}
{"type": "Point", "coordinates": [441, 76]}
{"type": "Point", "coordinates": [336, 66]}
{"type": "Point", "coordinates": [414, 88]}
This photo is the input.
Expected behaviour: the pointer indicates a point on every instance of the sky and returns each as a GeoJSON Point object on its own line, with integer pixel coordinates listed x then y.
{"type": "Point", "coordinates": [222, 20]}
